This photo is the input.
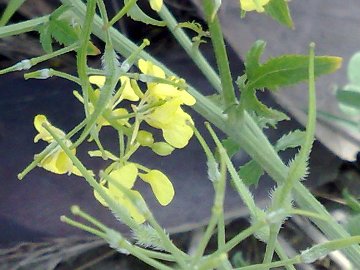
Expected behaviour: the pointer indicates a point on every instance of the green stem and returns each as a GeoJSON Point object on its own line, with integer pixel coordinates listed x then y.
{"type": "Point", "coordinates": [82, 53]}
{"type": "Point", "coordinates": [23, 27]}
{"type": "Point", "coordinates": [288, 262]}
{"type": "Point", "coordinates": [193, 52]}
{"type": "Point", "coordinates": [179, 256]}
{"type": "Point", "coordinates": [122, 12]}
{"type": "Point", "coordinates": [271, 243]}
{"type": "Point", "coordinates": [222, 59]}
{"type": "Point", "coordinates": [234, 241]}
{"type": "Point", "coordinates": [82, 227]}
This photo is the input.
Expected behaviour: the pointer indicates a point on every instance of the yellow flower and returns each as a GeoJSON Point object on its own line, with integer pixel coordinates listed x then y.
{"type": "Point", "coordinates": [163, 91]}
{"type": "Point", "coordinates": [56, 161]}
{"type": "Point", "coordinates": [169, 117]}
{"type": "Point", "coordinates": [126, 177]}
{"type": "Point", "coordinates": [250, 5]}
{"type": "Point", "coordinates": [156, 4]}
{"type": "Point", "coordinates": [173, 122]}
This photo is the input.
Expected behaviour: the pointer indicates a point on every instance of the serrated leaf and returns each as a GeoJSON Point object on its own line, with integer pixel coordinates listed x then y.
{"type": "Point", "coordinates": [45, 38]}
{"type": "Point", "coordinates": [252, 59]}
{"type": "Point", "coordinates": [353, 69]}
{"type": "Point", "coordinates": [279, 11]}
{"type": "Point", "coordinates": [62, 32]}
{"type": "Point", "coordinates": [251, 173]}
{"type": "Point", "coordinates": [137, 14]}
{"type": "Point", "coordinates": [291, 140]}
{"type": "Point", "coordinates": [251, 103]}
{"type": "Point", "coordinates": [290, 69]}
{"type": "Point", "coordinates": [349, 98]}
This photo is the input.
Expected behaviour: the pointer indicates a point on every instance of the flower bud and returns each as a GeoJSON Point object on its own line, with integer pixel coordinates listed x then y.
{"type": "Point", "coordinates": [162, 148]}
{"type": "Point", "coordinates": [145, 138]}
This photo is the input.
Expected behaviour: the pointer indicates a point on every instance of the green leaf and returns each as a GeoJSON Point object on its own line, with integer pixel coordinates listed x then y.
{"type": "Point", "coordinates": [62, 32]}
{"type": "Point", "coordinates": [137, 14]}
{"type": "Point", "coordinates": [291, 140]}
{"type": "Point", "coordinates": [231, 147]}
{"type": "Point", "coordinates": [45, 38]}
{"type": "Point", "coordinates": [290, 69]}
{"type": "Point", "coordinates": [354, 69]}
{"type": "Point", "coordinates": [251, 173]}
{"type": "Point", "coordinates": [252, 59]}
{"type": "Point", "coordinates": [265, 115]}
{"type": "Point", "coordinates": [10, 9]}
{"type": "Point", "coordinates": [349, 98]}
{"type": "Point", "coordinates": [279, 11]}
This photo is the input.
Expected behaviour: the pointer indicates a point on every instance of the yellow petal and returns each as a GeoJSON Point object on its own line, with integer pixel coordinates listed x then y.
{"type": "Point", "coordinates": [149, 68]}
{"type": "Point", "coordinates": [251, 5]}
{"type": "Point", "coordinates": [160, 185]}
{"type": "Point", "coordinates": [126, 176]}
{"type": "Point", "coordinates": [128, 92]}
{"type": "Point", "coordinates": [133, 211]}
{"type": "Point", "coordinates": [99, 198]}
{"type": "Point", "coordinates": [57, 162]}
{"type": "Point", "coordinates": [164, 114]}
{"type": "Point", "coordinates": [44, 135]}
{"type": "Point", "coordinates": [156, 4]}
{"type": "Point", "coordinates": [178, 132]}
{"type": "Point", "coordinates": [98, 80]}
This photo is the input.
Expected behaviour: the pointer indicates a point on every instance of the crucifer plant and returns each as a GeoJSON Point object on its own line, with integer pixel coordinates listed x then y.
{"type": "Point", "coordinates": [155, 98]}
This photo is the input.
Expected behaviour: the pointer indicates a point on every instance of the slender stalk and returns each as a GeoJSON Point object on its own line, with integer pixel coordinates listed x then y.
{"type": "Point", "coordinates": [222, 60]}
{"type": "Point", "coordinates": [82, 226]}
{"type": "Point", "coordinates": [288, 262]}
{"type": "Point", "coordinates": [193, 52]}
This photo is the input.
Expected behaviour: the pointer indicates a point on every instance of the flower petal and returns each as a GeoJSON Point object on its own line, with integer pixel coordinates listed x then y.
{"type": "Point", "coordinates": [160, 185]}
{"type": "Point", "coordinates": [149, 68]}
{"type": "Point", "coordinates": [44, 135]}
{"type": "Point", "coordinates": [128, 92]}
{"type": "Point", "coordinates": [98, 80]}
{"type": "Point", "coordinates": [126, 176]}
{"type": "Point", "coordinates": [164, 114]}
{"type": "Point", "coordinates": [178, 132]}
{"type": "Point", "coordinates": [250, 5]}
{"type": "Point", "coordinates": [57, 162]}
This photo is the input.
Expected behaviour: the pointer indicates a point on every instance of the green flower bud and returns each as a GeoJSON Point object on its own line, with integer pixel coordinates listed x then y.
{"type": "Point", "coordinates": [162, 148]}
{"type": "Point", "coordinates": [145, 138]}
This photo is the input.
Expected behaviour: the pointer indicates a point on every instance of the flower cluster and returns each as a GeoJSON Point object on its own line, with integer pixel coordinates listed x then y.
{"type": "Point", "coordinates": [159, 106]}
